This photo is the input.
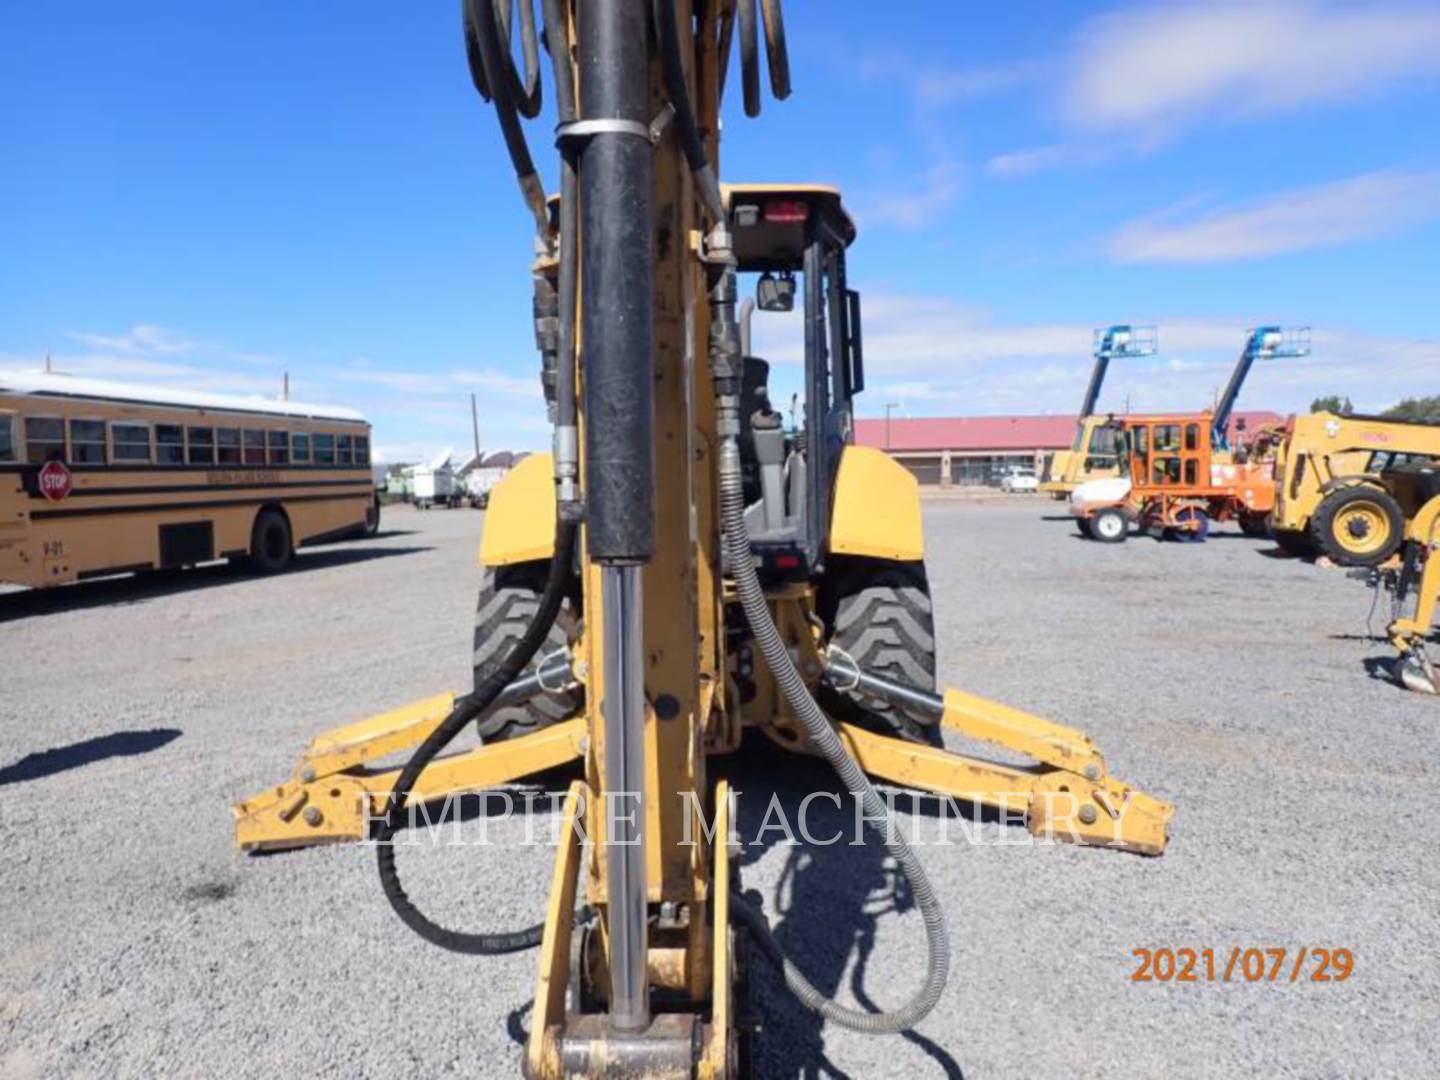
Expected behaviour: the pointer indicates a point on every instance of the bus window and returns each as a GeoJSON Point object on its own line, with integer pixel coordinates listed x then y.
{"type": "Point", "coordinates": [7, 437]}
{"type": "Point", "coordinates": [324, 449]}
{"type": "Point", "coordinates": [279, 447]}
{"type": "Point", "coordinates": [1192, 436]}
{"type": "Point", "coordinates": [87, 442]}
{"type": "Point", "coordinates": [362, 450]}
{"type": "Point", "coordinates": [227, 446]}
{"type": "Point", "coordinates": [130, 442]}
{"type": "Point", "coordinates": [254, 447]}
{"type": "Point", "coordinates": [169, 444]}
{"type": "Point", "coordinates": [300, 447]}
{"type": "Point", "coordinates": [202, 445]}
{"type": "Point", "coordinates": [343, 454]}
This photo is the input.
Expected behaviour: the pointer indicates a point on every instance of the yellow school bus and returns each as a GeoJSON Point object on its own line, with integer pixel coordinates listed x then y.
{"type": "Point", "coordinates": [103, 478]}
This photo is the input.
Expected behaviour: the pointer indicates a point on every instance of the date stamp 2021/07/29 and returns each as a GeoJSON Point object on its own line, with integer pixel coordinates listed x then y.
{"type": "Point", "coordinates": [1240, 963]}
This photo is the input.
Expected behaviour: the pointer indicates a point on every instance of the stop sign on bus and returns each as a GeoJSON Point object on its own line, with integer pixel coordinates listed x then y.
{"type": "Point", "coordinates": [55, 480]}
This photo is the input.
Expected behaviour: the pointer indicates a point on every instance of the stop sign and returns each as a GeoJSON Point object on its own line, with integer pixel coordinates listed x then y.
{"type": "Point", "coordinates": [55, 480]}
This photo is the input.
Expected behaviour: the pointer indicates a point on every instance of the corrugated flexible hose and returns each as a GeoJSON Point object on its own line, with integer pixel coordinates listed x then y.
{"type": "Point", "coordinates": [822, 736]}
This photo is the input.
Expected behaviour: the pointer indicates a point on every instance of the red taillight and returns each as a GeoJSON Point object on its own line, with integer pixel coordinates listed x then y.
{"type": "Point", "coordinates": [787, 562]}
{"type": "Point", "coordinates": [787, 211]}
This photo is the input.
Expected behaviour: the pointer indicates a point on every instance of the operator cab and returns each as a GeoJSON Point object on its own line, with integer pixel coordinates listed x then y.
{"type": "Point", "coordinates": [790, 241]}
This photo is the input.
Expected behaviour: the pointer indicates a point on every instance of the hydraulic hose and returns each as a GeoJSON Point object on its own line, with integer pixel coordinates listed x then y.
{"type": "Point", "coordinates": [467, 709]}
{"type": "Point", "coordinates": [822, 736]}
{"type": "Point", "coordinates": [673, 69]}
{"type": "Point", "coordinates": [478, 19]}
{"type": "Point", "coordinates": [567, 447]}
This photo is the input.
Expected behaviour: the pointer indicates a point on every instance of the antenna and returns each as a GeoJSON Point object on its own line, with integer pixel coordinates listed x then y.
{"type": "Point", "coordinates": [285, 387]}
{"type": "Point", "coordinates": [48, 369]}
{"type": "Point", "coordinates": [475, 423]}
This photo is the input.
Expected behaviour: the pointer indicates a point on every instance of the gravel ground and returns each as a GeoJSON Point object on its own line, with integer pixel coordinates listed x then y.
{"type": "Point", "coordinates": [138, 943]}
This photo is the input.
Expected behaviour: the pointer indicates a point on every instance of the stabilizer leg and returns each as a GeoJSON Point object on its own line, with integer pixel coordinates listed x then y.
{"type": "Point", "coordinates": [333, 797]}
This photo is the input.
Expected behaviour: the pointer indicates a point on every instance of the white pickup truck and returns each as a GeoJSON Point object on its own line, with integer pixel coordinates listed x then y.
{"type": "Point", "coordinates": [1020, 481]}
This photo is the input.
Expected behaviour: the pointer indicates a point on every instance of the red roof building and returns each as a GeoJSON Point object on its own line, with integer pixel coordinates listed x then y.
{"type": "Point", "coordinates": [980, 449]}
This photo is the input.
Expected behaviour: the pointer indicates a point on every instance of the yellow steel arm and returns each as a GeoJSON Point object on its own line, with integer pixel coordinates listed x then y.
{"type": "Point", "coordinates": [1424, 529]}
{"type": "Point", "coordinates": [333, 797]}
{"type": "Point", "coordinates": [1069, 796]}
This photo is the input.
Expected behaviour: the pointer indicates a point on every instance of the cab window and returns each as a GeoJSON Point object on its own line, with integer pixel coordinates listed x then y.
{"type": "Point", "coordinates": [130, 442]}
{"type": "Point", "coordinates": [87, 442]}
{"type": "Point", "coordinates": [202, 445]}
{"type": "Point", "coordinates": [1192, 436]}
{"type": "Point", "coordinates": [7, 437]}
{"type": "Point", "coordinates": [169, 444]}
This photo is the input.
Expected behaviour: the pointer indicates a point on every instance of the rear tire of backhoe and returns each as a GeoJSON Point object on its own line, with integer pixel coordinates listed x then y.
{"type": "Point", "coordinates": [879, 612]}
{"type": "Point", "coordinates": [1358, 526]}
{"type": "Point", "coordinates": [1294, 542]}
{"type": "Point", "coordinates": [509, 598]}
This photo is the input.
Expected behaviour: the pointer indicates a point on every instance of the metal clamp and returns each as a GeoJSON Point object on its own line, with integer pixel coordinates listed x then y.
{"type": "Point", "coordinates": [585, 129]}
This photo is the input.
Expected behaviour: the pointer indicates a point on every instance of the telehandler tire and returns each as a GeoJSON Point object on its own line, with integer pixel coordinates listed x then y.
{"type": "Point", "coordinates": [1294, 542]}
{"type": "Point", "coordinates": [1358, 526]}
{"type": "Point", "coordinates": [509, 597]}
{"type": "Point", "coordinates": [879, 612]}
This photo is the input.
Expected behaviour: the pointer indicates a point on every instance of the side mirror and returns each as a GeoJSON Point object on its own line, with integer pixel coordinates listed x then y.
{"type": "Point", "coordinates": [775, 294]}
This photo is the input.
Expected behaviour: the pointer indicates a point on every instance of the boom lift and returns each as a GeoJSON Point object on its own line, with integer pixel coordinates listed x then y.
{"type": "Point", "coordinates": [1093, 454]}
{"type": "Point", "coordinates": [1345, 485]}
{"type": "Point", "coordinates": [682, 569]}
{"type": "Point", "coordinates": [1180, 472]}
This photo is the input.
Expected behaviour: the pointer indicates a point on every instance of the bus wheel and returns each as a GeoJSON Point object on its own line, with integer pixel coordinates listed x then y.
{"type": "Point", "coordinates": [270, 543]}
{"type": "Point", "coordinates": [372, 518]}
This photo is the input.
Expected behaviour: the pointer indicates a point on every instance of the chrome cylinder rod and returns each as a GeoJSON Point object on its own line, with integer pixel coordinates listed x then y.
{"type": "Point", "coordinates": [623, 709]}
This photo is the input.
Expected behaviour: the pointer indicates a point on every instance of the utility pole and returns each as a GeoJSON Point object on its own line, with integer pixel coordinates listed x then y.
{"type": "Point", "coordinates": [285, 387]}
{"type": "Point", "coordinates": [475, 423]}
{"type": "Point", "coordinates": [888, 406]}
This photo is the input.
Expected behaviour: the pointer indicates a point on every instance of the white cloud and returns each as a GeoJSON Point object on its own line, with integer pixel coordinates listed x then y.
{"type": "Point", "coordinates": [915, 206]}
{"type": "Point", "coordinates": [1326, 215]}
{"type": "Point", "coordinates": [1035, 159]}
{"type": "Point", "coordinates": [149, 340]}
{"type": "Point", "coordinates": [937, 357]}
{"type": "Point", "coordinates": [933, 86]}
{"type": "Point", "coordinates": [1153, 69]}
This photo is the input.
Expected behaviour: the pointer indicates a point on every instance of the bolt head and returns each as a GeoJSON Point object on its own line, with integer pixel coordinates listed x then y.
{"type": "Point", "coordinates": [1087, 815]}
{"type": "Point", "coordinates": [313, 815]}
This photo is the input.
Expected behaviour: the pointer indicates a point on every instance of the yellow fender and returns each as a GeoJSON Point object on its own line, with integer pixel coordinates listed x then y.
{"type": "Point", "coordinates": [520, 519]}
{"type": "Point", "coordinates": [877, 508]}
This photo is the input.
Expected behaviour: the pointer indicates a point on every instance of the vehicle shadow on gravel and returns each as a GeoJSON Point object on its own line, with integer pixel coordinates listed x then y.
{"type": "Point", "coordinates": [64, 758]}
{"type": "Point", "coordinates": [833, 899]}
{"type": "Point", "coordinates": [138, 588]}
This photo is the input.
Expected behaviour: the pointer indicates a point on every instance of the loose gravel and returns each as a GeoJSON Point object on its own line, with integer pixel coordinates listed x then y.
{"type": "Point", "coordinates": [136, 942]}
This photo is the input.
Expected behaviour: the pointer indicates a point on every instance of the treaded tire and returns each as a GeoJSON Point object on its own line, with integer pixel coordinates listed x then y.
{"type": "Point", "coordinates": [1109, 526]}
{"type": "Point", "coordinates": [879, 612]}
{"type": "Point", "coordinates": [271, 545]}
{"type": "Point", "coordinates": [1329, 535]}
{"type": "Point", "coordinates": [1256, 526]}
{"type": "Point", "coordinates": [509, 597]}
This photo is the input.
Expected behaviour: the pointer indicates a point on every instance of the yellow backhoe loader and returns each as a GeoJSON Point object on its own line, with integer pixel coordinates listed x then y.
{"type": "Point", "coordinates": [681, 568]}
{"type": "Point", "coordinates": [1345, 485]}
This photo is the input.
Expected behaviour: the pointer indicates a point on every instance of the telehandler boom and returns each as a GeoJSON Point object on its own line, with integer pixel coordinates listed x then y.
{"type": "Point", "coordinates": [682, 568]}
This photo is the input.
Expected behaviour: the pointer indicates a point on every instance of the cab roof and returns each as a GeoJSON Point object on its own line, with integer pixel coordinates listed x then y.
{"type": "Point", "coordinates": [763, 242]}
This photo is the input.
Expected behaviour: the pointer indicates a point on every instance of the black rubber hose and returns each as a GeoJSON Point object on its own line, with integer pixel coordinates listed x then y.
{"type": "Point", "coordinates": [749, 56]}
{"type": "Point", "coordinates": [479, 17]}
{"type": "Point", "coordinates": [673, 68]}
{"type": "Point", "coordinates": [467, 709]}
{"type": "Point", "coordinates": [557, 37]}
{"type": "Point", "coordinates": [775, 50]}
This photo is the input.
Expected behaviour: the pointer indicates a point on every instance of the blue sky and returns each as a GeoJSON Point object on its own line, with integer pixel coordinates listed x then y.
{"type": "Point", "coordinates": [210, 196]}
